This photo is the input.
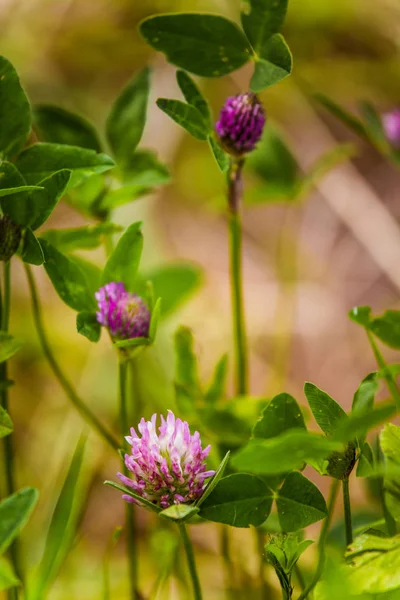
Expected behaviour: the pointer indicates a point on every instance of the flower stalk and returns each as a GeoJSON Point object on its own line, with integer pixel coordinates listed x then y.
{"type": "Point", "coordinates": [197, 595]}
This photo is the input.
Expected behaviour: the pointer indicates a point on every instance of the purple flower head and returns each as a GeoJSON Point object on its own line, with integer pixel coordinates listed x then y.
{"type": "Point", "coordinates": [169, 467]}
{"type": "Point", "coordinates": [124, 314]}
{"type": "Point", "coordinates": [241, 123]}
{"type": "Point", "coordinates": [391, 126]}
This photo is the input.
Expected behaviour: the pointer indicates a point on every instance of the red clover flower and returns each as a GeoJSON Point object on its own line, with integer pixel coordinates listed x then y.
{"type": "Point", "coordinates": [124, 314]}
{"type": "Point", "coordinates": [169, 467]}
{"type": "Point", "coordinates": [241, 123]}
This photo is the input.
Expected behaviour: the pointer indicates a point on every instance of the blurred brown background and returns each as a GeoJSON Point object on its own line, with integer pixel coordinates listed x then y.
{"type": "Point", "coordinates": [305, 265]}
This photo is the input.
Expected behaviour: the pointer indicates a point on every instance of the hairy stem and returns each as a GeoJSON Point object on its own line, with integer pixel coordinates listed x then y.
{"type": "Point", "coordinates": [9, 476]}
{"type": "Point", "coordinates": [235, 230]}
{"type": "Point", "coordinates": [131, 533]}
{"type": "Point", "coordinates": [347, 511]}
{"type": "Point", "coordinates": [197, 595]}
{"type": "Point", "coordinates": [78, 403]}
{"type": "Point", "coordinates": [322, 540]}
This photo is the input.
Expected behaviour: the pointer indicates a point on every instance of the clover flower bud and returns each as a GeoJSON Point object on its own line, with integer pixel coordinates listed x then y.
{"type": "Point", "coordinates": [169, 467]}
{"type": "Point", "coordinates": [10, 237]}
{"type": "Point", "coordinates": [124, 314]}
{"type": "Point", "coordinates": [241, 123]}
{"type": "Point", "coordinates": [391, 126]}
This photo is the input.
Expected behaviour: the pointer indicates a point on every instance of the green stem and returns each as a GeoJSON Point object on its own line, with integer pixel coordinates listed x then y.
{"type": "Point", "coordinates": [79, 404]}
{"type": "Point", "coordinates": [12, 593]}
{"type": "Point", "coordinates": [347, 511]}
{"type": "Point", "coordinates": [131, 533]}
{"type": "Point", "coordinates": [197, 595]}
{"type": "Point", "coordinates": [390, 381]}
{"type": "Point", "coordinates": [299, 576]}
{"type": "Point", "coordinates": [322, 540]}
{"type": "Point", "coordinates": [235, 238]}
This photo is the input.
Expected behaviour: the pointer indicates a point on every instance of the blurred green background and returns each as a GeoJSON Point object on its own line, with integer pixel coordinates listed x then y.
{"type": "Point", "coordinates": [306, 264]}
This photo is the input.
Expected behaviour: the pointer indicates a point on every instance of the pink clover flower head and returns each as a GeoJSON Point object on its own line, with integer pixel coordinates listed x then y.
{"type": "Point", "coordinates": [167, 467]}
{"type": "Point", "coordinates": [241, 123]}
{"type": "Point", "coordinates": [391, 126]}
{"type": "Point", "coordinates": [125, 315]}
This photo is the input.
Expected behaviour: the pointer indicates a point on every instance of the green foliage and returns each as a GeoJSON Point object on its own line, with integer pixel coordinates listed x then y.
{"type": "Point", "coordinates": [79, 238]}
{"type": "Point", "coordinates": [283, 453]}
{"type": "Point", "coordinates": [8, 578]}
{"type": "Point", "coordinates": [326, 411]}
{"type": "Point", "coordinates": [88, 326]}
{"type": "Point", "coordinates": [129, 492]}
{"type": "Point", "coordinates": [6, 425]}
{"type": "Point", "coordinates": [213, 482]}
{"type": "Point", "coordinates": [281, 414]}
{"type": "Point", "coordinates": [387, 328]}
{"type": "Point", "coordinates": [390, 445]}
{"type": "Point", "coordinates": [143, 170]}
{"type": "Point", "coordinates": [174, 283]}
{"type": "Point", "coordinates": [187, 116]}
{"type": "Point", "coordinates": [299, 503]}
{"type": "Point", "coordinates": [127, 118]}
{"type": "Point", "coordinates": [14, 514]}
{"type": "Point", "coordinates": [60, 126]}
{"type": "Point", "coordinates": [32, 252]}
{"type": "Point", "coordinates": [62, 528]}
{"type": "Point", "coordinates": [261, 19]}
{"type": "Point", "coordinates": [239, 500]}
{"type": "Point", "coordinates": [361, 315]}
{"type": "Point", "coordinates": [9, 346]}
{"type": "Point", "coordinates": [375, 564]}
{"type": "Point", "coordinates": [349, 120]}
{"type": "Point", "coordinates": [68, 279]}
{"type": "Point", "coordinates": [282, 552]}
{"type": "Point", "coordinates": [206, 45]}
{"type": "Point", "coordinates": [123, 263]}
{"type": "Point", "coordinates": [40, 161]}
{"type": "Point", "coordinates": [194, 97]}
{"type": "Point", "coordinates": [179, 512]}
{"type": "Point", "coordinates": [15, 111]}
{"type": "Point", "coordinates": [274, 63]}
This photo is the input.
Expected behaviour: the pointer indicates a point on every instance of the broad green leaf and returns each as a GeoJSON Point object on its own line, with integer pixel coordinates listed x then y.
{"type": "Point", "coordinates": [6, 425]}
{"type": "Point", "coordinates": [68, 279]}
{"type": "Point", "coordinates": [239, 500]}
{"type": "Point", "coordinates": [219, 154]}
{"type": "Point", "coordinates": [9, 345]}
{"type": "Point", "coordinates": [203, 44]}
{"type": "Point", "coordinates": [193, 96]}
{"type": "Point", "coordinates": [143, 170]}
{"type": "Point", "coordinates": [145, 503]}
{"type": "Point", "coordinates": [281, 414]}
{"type": "Point", "coordinates": [42, 160]}
{"type": "Point", "coordinates": [287, 549]}
{"type": "Point", "coordinates": [342, 115]}
{"type": "Point", "coordinates": [273, 162]}
{"type": "Point", "coordinates": [359, 422]}
{"type": "Point", "coordinates": [15, 111]}
{"type": "Point", "coordinates": [44, 201]}
{"type": "Point", "coordinates": [275, 62]}
{"type": "Point", "coordinates": [375, 564]}
{"type": "Point", "coordinates": [17, 190]}
{"type": "Point", "coordinates": [123, 264]}
{"type": "Point", "coordinates": [365, 466]}
{"type": "Point", "coordinates": [300, 503]}
{"type": "Point", "coordinates": [125, 124]}
{"type": "Point", "coordinates": [365, 394]}
{"type": "Point", "coordinates": [387, 328]}
{"type": "Point", "coordinates": [173, 283]}
{"type": "Point", "coordinates": [179, 512]}
{"type": "Point", "coordinates": [32, 252]}
{"type": "Point", "coordinates": [63, 524]}
{"type": "Point", "coordinates": [88, 326]}
{"type": "Point", "coordinates": [361, 315]}
{"type": "Point", "coordinates": [213, 482]}
{"type": "Point", "coordinates": [217, 387]}
{"type": "Point", "coordinates": [186, 116]}
{"type": "Point", "coordinates": [120, 196]}
{"type": "Point", "coordinates": [17, 204]}
{"type": "Point", "coordinates": [32, 209]}
{"type": "Point", "coordinates": [390, 445]}
{"type": "Point", "coordinates": [80, 238]}
{"type": "Point", "coordinates": [92, 272]}
{"type": "Point", "coordinates": [14, 514]}
{"type": "Point", "coordinates": [326, 411]}
{"type": "Point", "coordinates": [60, 126]}
{"type": "Point", "coordinates": [8, 578]}
{"type": "Point", "coordinates": [283, 453]}
{"type": "Point", "coordinates": [261, 19]}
